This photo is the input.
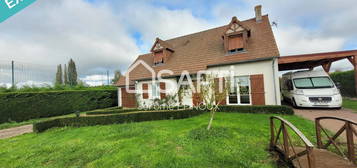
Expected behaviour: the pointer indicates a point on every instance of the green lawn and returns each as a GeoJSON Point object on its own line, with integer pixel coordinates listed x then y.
{"type": "Point", "coordinates": [236, 140]}
{"type": "Point", "coordinates": [351, 104]}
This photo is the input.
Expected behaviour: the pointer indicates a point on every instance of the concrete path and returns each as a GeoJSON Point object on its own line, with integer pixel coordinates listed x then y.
{"type": "Point", "coordinates": [332, 125]}
{"type": "Point", "coordinates": [11, 132]}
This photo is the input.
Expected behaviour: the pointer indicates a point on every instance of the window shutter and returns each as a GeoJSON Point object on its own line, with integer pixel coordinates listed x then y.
{"type": "Point", "coordinates": [196, 99]}
{"type": "Point", "coordinates": [257, 88]}
{"type": "Point", "coordinates": [145, 91]}
{"type": "Point", "coordinates": [235, 42]}
{"type": "Point", "coordinates": [217, 90]}
{"type": "Point", "coordinates": [158, 57]}
{"type": "Point", "coordinates": [162, 90]}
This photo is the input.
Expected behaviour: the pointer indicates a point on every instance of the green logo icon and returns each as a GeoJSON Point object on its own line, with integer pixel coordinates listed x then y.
{"type": "Point", "coordinates": [11, 7]}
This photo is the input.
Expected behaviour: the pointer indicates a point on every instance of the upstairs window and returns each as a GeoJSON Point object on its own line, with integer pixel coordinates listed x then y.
{"type": "Point", "coordinates": [235, 37]}
{"type": "Point", "coordinates": [158, 58]}
{"type": "Point", "coordinates": [235, 43]}
{"type": "Point", "coordinates": [161, 51]}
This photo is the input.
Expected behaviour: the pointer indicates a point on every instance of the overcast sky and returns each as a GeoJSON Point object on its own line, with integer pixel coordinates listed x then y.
{"type": "Point", "coordinates": [109, 34]}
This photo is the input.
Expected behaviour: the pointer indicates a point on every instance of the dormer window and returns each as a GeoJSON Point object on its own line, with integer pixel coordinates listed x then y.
{"type": "Point", "coordinates": [235, 37]}
{"type": "Point", "coordinates": [161, 52]}
{"type": "Point", "coordinates": [235, 43]}
{"type": "Point", "coordinates": [158, 58]}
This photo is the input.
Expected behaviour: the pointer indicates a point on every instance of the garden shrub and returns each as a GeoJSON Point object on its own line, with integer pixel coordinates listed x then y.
{"type": "Point", "coordinates": [115, 119]}
{"type": "Point", "coordinates": [347, 82]}
{"type": "Point", "coordinates": [261, 109]}
{"type": "Point", "coordinates": [21, 106]}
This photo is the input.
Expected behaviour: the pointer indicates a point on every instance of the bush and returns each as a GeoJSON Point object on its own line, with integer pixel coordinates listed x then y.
{"type": "Point", "coordinates": [115, 119]}
{"type": "Point", "coordinates": [347, 81]}
{"type": "Point", "coordinates": [20, 106]}
{"type": "Point", "coordinates": [267, 109]}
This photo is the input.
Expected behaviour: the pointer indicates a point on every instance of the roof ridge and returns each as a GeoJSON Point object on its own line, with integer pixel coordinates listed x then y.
{"type": "Point", "coordinates": [209, 29]}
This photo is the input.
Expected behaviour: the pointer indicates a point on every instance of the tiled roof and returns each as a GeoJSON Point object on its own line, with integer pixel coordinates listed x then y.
{"type": "Point", "coordinates": [196, 51]}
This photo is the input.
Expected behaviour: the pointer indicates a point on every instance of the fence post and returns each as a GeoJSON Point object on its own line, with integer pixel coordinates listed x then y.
{"type": "Point", "coordinates": [310, 157]}
{"type": "Point", "coordinates": [12, 74]}
{"type": "Point", "coordinates": [272, 136]}
{"type": "Point", "coordinates": [350, 144]}
{"type": "Point", "coordinates": [285, 140]}
{"type": "Point", "coordinates": [318, 133]}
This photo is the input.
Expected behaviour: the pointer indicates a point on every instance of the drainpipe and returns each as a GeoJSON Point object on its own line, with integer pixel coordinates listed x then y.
{"type": "Point", "coordinates": [274, 75]}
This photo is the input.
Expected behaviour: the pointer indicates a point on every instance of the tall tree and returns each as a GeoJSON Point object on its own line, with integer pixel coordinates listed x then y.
{"type": "Point", "coordinates": [72, 73]}
{"type": "Point", "coordinates": [117, 75]}
{"type": "Point", "coordinates": [65, 75]}
{"type": "Point", "coordinates": [59, 80]}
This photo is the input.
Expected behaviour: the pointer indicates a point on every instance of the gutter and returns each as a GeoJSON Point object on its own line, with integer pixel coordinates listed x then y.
{"type": "Point", "coordinates": [242, 62]}
{"type": "Point", "coordinates": [274, 77]}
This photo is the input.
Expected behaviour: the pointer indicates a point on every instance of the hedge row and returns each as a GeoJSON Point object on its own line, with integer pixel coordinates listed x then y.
{"type": "Point", "coordinates": [111, 111]}
{"type": "Point", "coordinates": [24, 106]}
{"type": "Point", "coordinates": [119, 110]}
{"type": "Point", "coordinates": [115, 119]}
{"type": "Point", "coordinates": [347, 82]}
{"type": "Point", "coordinates": [267, 109]}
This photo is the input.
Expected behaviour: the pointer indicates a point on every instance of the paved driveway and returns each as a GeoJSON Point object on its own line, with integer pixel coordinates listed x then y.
{"type": "Point", "coordinates": [11, 132]}
{"type": "Point", "coordinates": [332, 125]}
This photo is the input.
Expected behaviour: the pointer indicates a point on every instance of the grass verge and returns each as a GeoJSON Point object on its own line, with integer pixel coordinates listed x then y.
{"type": "Point", "coordinates": [350, 104]}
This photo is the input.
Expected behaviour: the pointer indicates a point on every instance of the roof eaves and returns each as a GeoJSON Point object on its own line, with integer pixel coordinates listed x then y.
{"type": "Point", "coordinates": [241, 62]}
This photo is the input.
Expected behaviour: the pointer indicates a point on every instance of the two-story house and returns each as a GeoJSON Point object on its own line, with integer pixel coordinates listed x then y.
{"type": "Point", "coordinates": [247, 49]}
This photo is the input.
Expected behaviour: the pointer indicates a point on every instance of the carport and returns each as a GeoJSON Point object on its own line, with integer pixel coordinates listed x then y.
{"type": "Point", "coordinates": [310, 61]}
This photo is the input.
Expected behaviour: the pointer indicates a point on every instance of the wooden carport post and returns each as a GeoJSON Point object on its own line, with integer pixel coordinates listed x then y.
{"type": "Point", "coordinates": [353, 61]}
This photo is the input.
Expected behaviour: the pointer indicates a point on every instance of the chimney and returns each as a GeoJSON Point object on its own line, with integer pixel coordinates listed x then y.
{"type": "Point", "coordinates": [258, 13]}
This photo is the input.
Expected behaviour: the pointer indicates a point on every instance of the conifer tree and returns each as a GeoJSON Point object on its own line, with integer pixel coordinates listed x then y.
{"type": "Point", "coordinates": [72, 73]}
{"type": "Point", "coordinates": [59, 80]}
{"type": "Point", "coordinates": [65, 75]}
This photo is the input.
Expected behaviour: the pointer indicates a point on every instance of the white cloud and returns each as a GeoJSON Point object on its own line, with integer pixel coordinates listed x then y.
{"type": "Point", "coordinates": [52, 32]}
{"type": "Point", "coordinates": [296, 40]}
{"type": "Point", "coordinates": [160, 22]}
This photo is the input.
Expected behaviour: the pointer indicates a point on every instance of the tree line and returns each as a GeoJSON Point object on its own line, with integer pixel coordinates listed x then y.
{"type": "Point", "coordinates": [68, 76]}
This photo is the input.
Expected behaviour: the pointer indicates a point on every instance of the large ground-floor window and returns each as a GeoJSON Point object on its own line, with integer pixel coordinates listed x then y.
{"type": "Point", "coordinates": [239, 92]}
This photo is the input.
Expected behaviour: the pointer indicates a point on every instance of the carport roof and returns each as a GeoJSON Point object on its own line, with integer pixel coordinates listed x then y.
{"type": "Point", "coordinates": [308, 61]}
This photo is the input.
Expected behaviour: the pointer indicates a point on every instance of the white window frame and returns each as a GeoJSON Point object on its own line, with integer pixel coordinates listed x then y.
{"type": "Point", "coordinates": [238, 94]}
{"type": "Point", "coordinates": [156, 94]}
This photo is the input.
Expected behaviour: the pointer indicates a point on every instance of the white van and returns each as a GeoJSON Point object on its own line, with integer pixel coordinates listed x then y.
{"type": "Point", "coordinates": [310, 89]}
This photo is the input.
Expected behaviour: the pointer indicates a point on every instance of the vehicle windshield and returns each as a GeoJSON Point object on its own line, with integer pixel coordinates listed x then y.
{"type": "Point", "coordinates": [313, 82]}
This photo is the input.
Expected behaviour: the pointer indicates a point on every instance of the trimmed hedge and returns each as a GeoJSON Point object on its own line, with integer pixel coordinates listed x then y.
{"type": "Point", "coordinates": [111, 111]}
{"type": "Point", "coordinates": [151, 116]}
{"type": "Point", "coordinates": [266, 109]}
{"type": "Point", "coordinates": [347, 81]}
{"type": "Point", "coordinates": [24, 106]}
{"type": "Point", "coordinates": [115, 119]}
{"type": "Point", "coordinates": [119, 110]}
